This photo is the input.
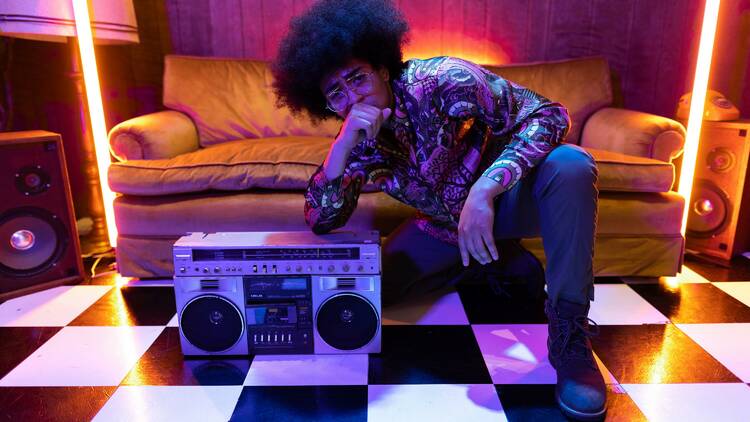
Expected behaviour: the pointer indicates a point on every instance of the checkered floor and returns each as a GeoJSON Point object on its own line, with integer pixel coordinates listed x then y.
{"type": "Point", "coordinates": [670, 349]}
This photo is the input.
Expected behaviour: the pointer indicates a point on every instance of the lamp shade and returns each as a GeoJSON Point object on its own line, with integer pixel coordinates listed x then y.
{"type": "Point", "coordinates": [112, 22]}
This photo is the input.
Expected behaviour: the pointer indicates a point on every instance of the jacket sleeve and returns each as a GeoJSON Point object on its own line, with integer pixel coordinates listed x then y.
{"type": "Point", "coordinates": [534, 124]}
{"type": "Point", "coordinates": [330, 203]}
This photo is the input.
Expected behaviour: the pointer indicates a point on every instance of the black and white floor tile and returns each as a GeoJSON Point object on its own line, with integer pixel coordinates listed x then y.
{"type": "Point", "coordinates": [674, 348]}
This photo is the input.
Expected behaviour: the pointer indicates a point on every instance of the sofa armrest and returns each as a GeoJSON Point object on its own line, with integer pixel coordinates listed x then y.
{"type": "Point", "coordinates": [164, 134]}
{"type": "Point", "coordinates": [634, 133]}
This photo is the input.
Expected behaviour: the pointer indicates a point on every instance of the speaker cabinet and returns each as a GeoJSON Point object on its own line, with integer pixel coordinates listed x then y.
{"type": "Point", "coordinates": [719, 217]}
{"type": "Point", "coordinates": [39, 245]}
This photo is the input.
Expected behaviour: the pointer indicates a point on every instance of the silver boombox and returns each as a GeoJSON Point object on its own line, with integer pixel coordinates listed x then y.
{"type": "Point", "coordinates": [241, 293]}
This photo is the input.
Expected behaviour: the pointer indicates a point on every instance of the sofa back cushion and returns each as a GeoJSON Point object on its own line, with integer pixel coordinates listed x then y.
{"type": "Point", "coordinates": [231, 99]}
{"type": "Point", "coordinates": [583, 86]}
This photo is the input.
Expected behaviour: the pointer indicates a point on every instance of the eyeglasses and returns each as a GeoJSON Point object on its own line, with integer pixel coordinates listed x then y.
{"type": "Point", "coordinates": [338, 99]}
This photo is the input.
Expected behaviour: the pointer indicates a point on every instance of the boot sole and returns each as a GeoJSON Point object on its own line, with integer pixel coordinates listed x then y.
{"type": "Point", "coordinates": [580, 415]}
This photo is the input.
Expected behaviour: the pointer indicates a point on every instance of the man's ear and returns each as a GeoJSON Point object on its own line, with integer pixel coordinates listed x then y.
{"type": "Point", "coordinates": [384, 73]}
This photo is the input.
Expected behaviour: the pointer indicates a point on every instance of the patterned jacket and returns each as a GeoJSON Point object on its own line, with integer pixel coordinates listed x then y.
{"type": "Point", "coordinates": [453, 122]}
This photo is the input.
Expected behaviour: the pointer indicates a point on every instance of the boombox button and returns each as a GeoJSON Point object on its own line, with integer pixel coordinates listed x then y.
{"type": "Point", "coordinates": [182, 269]}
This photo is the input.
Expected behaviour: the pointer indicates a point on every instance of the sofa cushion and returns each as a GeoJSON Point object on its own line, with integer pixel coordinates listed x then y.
{"type": "Point", "coordinates": [231, 99]}
{"type": "Point", "coordinates": [582, 85]}
{"type": "Point", "coordinates": [287, 163]}
{"type": "Point", "coordinates": [628, 173]}
{"type": "Point", "coordinates": [620, 214]}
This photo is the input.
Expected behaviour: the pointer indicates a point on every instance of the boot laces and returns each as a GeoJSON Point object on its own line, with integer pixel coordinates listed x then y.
{"type": "Point", "coordinates": [572, 335]}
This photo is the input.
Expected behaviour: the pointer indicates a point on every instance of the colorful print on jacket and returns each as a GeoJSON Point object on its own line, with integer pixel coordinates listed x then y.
{"type": "Point", "coordinates": [453, 122]}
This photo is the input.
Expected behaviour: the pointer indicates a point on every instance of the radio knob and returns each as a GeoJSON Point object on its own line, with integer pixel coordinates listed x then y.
{"type": "Point", "coordinates": [205, 269]}
{"type": "Point", "coordinates": [360, 268]}
{"type": "Point", "coordinates": [288, 269]}
{"type": "Point", "coordinates": [299, 268]}
{"type": "Point", "coordinates": [331, 268]}
{"type": "Point", "coordinates": [345, 268]}
{"type": "Point", "coordinates": [217, 269]}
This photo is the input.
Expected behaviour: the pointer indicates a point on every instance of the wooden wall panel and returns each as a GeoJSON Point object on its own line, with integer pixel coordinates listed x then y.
{"type": "Point", "coordinates": [276, 16]}
{"type": "Point", "coordinates": [569, 33]}
{"type": "Point", "coordinates": [508, 23]}
{"type": "Point", "coordinates": [648, 43]}
{"type": "Point", "coordinates": [226, 29]}
{"type": "Point", "coordinates": [425, 19]}
{"type": "Point", "coordinates": [253, 32]}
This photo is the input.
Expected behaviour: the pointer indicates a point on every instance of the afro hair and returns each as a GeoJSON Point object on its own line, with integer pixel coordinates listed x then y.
{"type": "Point", "coordinates": [325, 38]}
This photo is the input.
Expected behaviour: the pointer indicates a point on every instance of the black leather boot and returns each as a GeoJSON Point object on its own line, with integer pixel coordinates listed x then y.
{"type": "Point", "coordinates": [580, 393]}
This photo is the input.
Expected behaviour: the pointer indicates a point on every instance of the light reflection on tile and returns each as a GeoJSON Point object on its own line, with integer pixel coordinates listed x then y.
{"type": "Point", "coordinates": [439, 308]}
{"type": "Point", "coordinates": [728, 343]}
{"type": "Point", "coordinates": [656, 353]}
{"type": "Point", "coordinates": [739, 290]}
{"type": "Point", "coordinates": [81, 356]}
{"type": "Point", "coordinates": [173, 403]}
{"type": "Point", "coordinates": [434, 402]}
{"type": "Point", "coordinates": [618, 304]}
{"type": "Point", "coordinates": [55, 307]}
{"type": "Point", "coordinates": [279, 370]}
{"type": "Point", "coordinates": [517, 354]}
{"type": "Point", "coordinates": [692, 402]}
{"type": "Point", "coordinates": [687, 275]}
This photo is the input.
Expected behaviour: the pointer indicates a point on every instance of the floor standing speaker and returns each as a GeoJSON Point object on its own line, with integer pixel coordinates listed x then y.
{"type": "Point", "coordinates": [39, 245]}
{"type": "Point", "coordinates": [719, 218]}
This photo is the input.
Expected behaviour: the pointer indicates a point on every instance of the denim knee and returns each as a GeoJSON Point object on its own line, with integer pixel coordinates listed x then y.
{"type": "Point", "coordinates": [572, 166]}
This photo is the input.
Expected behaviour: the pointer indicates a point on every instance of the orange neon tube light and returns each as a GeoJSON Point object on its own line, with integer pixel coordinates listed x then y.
{"type": "Point", "coordinates": [96, 110]}
{"type": "Point", "coordinates": [697, 103]}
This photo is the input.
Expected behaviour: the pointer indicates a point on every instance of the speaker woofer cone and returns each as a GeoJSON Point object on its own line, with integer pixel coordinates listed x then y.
{"type": "Point", "coordinates": [21, 259]}
{"type": "Point", "coordinates": [710, 209]}
{"type": "Point", "coordinates": [347, 321]}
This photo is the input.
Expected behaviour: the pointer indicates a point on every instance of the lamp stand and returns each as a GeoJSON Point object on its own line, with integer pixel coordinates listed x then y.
{"type": "Point", "coordinates": [91, 204]}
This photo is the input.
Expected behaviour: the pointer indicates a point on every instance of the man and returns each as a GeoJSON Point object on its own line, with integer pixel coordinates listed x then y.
{"type": "Point", "coordinates": [478, 156]}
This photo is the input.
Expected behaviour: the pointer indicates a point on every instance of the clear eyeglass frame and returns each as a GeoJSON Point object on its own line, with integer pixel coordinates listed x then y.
{"type": "Point", "coordinates": [350, 84]}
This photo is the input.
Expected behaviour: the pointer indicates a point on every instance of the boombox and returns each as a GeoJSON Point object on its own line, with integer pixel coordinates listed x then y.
{"type": "Point", "coordinates": [240, 293]}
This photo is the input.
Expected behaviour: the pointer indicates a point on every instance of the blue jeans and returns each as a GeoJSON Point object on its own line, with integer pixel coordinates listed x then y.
{"type": "Point", "coordinates": [557, 200]}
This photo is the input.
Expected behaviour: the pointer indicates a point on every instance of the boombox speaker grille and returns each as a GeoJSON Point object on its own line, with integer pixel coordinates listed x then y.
{"type": "Point", "coordinates": [211, 323]}
{"type": "Point", "coordinates": [347, 321]}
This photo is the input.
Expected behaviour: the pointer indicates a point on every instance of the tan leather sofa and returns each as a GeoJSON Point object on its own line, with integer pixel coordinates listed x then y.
{"type": "Point", "coordinates": [223, 158]}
